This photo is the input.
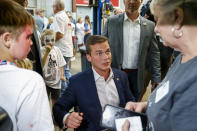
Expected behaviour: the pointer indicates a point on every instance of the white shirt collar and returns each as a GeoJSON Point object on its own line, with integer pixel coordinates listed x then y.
{"type": "Point", "coordinates": [127, 18]}
{"type": "Point", "coordinates": [97, 76]}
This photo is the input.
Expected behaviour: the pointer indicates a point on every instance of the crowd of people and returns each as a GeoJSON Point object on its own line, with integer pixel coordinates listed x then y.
{"type": "Point", "coordinates": [135, 47]}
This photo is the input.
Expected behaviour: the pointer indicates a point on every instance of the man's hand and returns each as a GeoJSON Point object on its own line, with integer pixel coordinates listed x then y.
{"type": "Point", "coordinates": [136, 106]}
{"type": "Point", "coordinates": [154, 85]}
{"type": "Point", "coordinates": [74, 120]}
{"type": "Point", "coordinates": [126, 126]}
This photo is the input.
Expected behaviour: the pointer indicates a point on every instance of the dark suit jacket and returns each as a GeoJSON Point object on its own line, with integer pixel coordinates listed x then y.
{"type": "Point", "coordinates": [82, 92]}
{"type": "Point", "coordinates": [114, 31]}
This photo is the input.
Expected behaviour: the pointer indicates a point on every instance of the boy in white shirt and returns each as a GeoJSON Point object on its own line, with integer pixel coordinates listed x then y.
{"type": "Point", "coordinates": [53, 62]}
{"type": "Point", "coordinates": [22, 92]}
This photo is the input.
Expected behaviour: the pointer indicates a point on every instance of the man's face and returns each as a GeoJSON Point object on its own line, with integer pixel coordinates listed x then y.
{"type": "Point", "coordinates": [132, 5]}
{"type": "Point", "coordinates": [20, 46]}
{"type": "Point", "coordinates": [100, 57]}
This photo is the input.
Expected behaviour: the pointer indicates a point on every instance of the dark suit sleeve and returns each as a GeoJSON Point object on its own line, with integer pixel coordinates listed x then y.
{"type": "Point", "coordinates": [64, 104]}
{"type": "Point", "coordinates": [155, 60]}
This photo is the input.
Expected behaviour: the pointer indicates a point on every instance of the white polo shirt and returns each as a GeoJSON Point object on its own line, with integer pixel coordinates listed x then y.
{"type": "Point", "coordinates": [62, 24]}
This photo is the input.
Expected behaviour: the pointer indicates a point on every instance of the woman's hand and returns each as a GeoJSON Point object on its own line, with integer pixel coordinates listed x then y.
{"type": "Point", "coordinates": [126, 126]}
{"type": "Point", "coordinates": [136, 106]}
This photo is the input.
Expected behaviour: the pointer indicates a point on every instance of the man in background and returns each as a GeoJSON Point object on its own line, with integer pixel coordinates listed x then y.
{"type": "Point", "coordinates": [132, 38]}
{"type": "Point", "coordinates": [63, 30]}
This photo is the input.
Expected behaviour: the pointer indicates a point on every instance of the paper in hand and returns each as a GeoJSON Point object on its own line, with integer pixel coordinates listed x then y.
{"type": "Point", "coordinates": [135, 123]}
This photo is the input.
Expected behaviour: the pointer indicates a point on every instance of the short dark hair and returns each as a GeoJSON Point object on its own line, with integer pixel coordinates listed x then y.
{"type": "Point", "coordinates": [94, 39]}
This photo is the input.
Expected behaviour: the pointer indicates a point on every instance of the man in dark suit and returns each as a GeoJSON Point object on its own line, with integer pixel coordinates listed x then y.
{"type": "Point", "coordinates": [92, 89]}
{"type": "Point", "coordinates": [34, 55]}
{"type": "Point", "coordinates": [131, 37]}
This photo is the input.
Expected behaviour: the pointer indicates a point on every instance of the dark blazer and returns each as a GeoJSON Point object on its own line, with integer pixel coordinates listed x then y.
{"type": "Point", "coordinates": [82, 92]}
{"type": "Point", "coordinates": [148, 44]}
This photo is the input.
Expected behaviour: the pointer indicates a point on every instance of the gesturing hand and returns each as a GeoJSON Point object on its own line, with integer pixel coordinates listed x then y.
{"type": "Point", "coordinates": [74, 120]}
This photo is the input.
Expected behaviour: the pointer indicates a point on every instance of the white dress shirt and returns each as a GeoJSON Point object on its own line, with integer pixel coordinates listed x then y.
{"type": "Point", "coordinates": [107, 91]}
{"type": "Point", "coordinates": [131, 42]}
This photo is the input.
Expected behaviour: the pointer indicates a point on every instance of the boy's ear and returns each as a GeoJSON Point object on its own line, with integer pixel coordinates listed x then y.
{"type": "Point", "coordinates": [6, 38]}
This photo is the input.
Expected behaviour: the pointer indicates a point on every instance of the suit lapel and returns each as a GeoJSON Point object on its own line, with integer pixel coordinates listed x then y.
{"type": "Point", "coordinates": [120, 34]}
{"type": "Point", "coordinates": [143, 33]}
{"type": "Point", "coordinates": [117, 82]}
{"type": "Point", "coordinates": [121, 20]}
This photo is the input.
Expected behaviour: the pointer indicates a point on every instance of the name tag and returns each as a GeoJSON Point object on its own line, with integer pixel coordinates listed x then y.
{"type": "Point", "coordinates": [162, 91]}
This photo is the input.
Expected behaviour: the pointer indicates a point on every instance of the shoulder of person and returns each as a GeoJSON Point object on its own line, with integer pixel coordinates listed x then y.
{"type": "Point", "coordinates": [73, 25]}
{"type": "Point", "coordinates": [56, 49]}
{"type": "Point", "coordinates": [29, 75]}
{"type": "Point", "coordinates": [118, 71]}
{"type": "Point", "coordinates": [148, 22]}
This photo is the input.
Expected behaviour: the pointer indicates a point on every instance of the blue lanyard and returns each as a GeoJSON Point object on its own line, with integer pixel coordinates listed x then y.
{"type": "Point", "coordinates": [4, 62]}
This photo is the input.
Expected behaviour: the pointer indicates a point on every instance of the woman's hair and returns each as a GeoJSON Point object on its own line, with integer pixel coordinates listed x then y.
{"type": "Point", "coordinates": [78, 20]}
{"type": "Point", "coordinates": [26, 63]}
{"type": "Point", "coordinates": [13, 17]}
{"type": "Point", "coordinates": [51, 19]}
{"type": "Point", "coordinates": [168, 8]}
{"type": "Point", "coordinates": [87, 19]}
